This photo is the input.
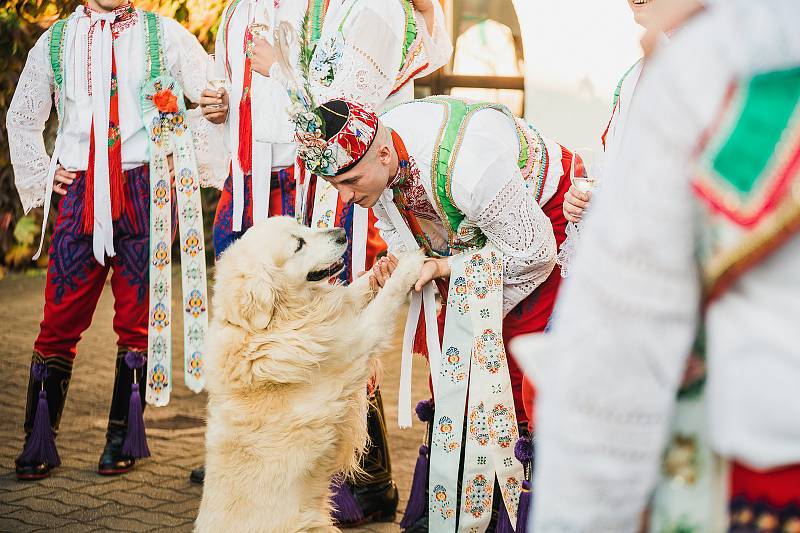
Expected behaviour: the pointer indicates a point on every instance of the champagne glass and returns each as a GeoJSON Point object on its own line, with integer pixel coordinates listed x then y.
{"type": "Point", "coordinates": [585, 172]}
{"type": "Point", "coordinates": [259, 29]}
{"type": "Point", "coordinates": [216, 80]}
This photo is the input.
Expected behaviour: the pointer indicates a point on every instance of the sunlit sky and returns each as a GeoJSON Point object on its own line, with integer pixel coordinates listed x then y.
{"type": "Point", "coordinates": [567, 42]}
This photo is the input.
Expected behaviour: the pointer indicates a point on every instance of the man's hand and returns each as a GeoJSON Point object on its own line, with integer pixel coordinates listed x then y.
{"type": "Point", "coordinates": [214, 105]}
{"type": "Point", "coordinates": [425, 8]}
{"type": "Point", "coordinates": [575, 203]}
{"type": "Point", "coordinates": [432, 269]}
{"type": "Point", "coordinates": [382, 271]}
{"type": "Point", "coordinates": [62, 179]}
{"type": "Point", "coordinates": [263, 56]}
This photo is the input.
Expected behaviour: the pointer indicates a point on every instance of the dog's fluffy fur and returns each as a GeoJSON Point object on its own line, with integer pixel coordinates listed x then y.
{"type": "Point", "coordinates": [288, 363]}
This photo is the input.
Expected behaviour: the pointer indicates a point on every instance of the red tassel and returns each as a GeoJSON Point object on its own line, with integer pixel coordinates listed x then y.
{"type": "Point", "coordinates": [88, 191]}
{"type": "Point", "coordinates": [420, 340]}
{"type": "Point", "coordinates": [117, 182]}
{"type": "Point", "coordinates": [245, 134]}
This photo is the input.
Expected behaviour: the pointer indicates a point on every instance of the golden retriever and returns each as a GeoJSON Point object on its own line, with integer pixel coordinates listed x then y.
{"type": "Point", "coordinates": [289, 357]}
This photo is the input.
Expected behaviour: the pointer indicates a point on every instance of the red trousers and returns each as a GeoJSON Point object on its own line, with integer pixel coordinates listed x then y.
{"type": "Point", "coordinates": [75, 279]}
{"type": "Point", "coordinates": [764, 501]}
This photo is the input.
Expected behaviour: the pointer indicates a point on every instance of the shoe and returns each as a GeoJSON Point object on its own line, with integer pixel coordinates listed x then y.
{"type": "Point", "coordinates": [198, 475]}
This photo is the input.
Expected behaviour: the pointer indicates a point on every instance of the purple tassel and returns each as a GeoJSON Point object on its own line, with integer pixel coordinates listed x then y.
{"type": "Point", "coordinates": [135, 445]}
{"type": "Point", "coordinates": [41, 445]}
{"type": "Point", "coordinates": [417, 500]}
{"type": "Point", "coordinates": [424, 410]}
{"type": "Point", "coordinates": [524, 507]}
{"type": "Point", "coordinates": [346, 509]}
{"type": "Point", "coordinates": [523, 450]}
{"type": "Point", "coordinates": [135, 360]}
{"type": "Point", "coordinates": [503, 521]}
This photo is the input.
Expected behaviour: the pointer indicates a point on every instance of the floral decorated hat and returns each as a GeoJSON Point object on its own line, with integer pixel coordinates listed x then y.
{"type": "Point", "coordinates": [333, 137]}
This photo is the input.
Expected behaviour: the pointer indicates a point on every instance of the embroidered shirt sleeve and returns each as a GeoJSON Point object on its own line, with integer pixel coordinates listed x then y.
{"type": "Point", "coordinates": [189, 63]}
{"type": "Point", "coordinates": [514, 222]}
{"type": "Point", "coordinates": [362, 62]}
{"type": "Point", "coordinates": [25, 122]}
{"type": "Point", "coordinates": [438, 46]}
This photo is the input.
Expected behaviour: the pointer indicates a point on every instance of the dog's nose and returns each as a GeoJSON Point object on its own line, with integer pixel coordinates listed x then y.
{"type": "Point", "coordinates": [339, 235]}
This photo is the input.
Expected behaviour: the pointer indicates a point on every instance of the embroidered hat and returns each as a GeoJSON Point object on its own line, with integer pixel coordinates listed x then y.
{"type": "Point", "coordinates": [333, 137]}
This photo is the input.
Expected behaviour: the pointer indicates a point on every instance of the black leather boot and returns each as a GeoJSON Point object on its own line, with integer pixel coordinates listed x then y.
{"type": "Point", "coordinates": [56, 383]}
{"type": "Point", "coordinates": [374, 489]}
{"type": "Point", "coordinates": [112, 461]}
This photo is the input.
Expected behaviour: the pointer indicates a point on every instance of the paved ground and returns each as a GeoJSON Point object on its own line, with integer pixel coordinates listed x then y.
{"type": "Point", "coordinates": [157, 495]}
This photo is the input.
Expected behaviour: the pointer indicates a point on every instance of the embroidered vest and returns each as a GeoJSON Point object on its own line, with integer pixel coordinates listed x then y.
{"type": "Point", "coordinates": [457, 114]}
{"type": "Point", "coordinates": [748, 177]}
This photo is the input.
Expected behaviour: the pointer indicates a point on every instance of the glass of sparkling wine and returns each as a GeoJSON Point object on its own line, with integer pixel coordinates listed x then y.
{"type": "Point", "coordinates": [584, 174]}
{"type": "Point", "coordinates": [259, 29]}
{"type": "Point", "coordinates": [216, 81]}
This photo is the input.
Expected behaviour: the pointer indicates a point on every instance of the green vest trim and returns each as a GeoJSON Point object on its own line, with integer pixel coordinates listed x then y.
{"type": "Point", "coordinates": [153, 35]}
{"type": "Point", "coordinates": [748, 175]}
{"type": "Point", "coordinates": [57, 37]}
{"type": "Point", "coordinates": [451, 134]}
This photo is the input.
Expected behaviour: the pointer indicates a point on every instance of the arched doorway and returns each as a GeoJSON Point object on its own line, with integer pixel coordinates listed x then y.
{"type": "Point", "coordinates": [488, 60]}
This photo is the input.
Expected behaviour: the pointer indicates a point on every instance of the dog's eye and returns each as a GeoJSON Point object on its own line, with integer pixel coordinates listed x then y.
{"type": "Point", "coordinates": [300, 243]}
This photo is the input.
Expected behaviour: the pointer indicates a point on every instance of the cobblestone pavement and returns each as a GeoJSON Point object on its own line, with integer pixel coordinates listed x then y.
{"type": "Point", "coordinates": [156, 495]}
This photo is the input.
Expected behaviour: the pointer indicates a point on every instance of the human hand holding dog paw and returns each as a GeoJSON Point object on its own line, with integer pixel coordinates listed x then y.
{"type": "Point", "coordinates": [432, 269]}
{"type": "Point", "coordinates": [381, 271]}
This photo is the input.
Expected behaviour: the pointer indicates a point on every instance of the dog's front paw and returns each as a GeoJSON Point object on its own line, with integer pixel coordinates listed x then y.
{"type": "Point", "coordinates": [408, 269]}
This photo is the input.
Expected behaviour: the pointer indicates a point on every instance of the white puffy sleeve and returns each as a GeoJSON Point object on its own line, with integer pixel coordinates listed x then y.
{"type": "Point", "coordinates": [189, 63]}
{"type": "Point", "coordinates": [371, 51]}
{"type": "Point", "coordinates": [25, 122]}
{"type": "Point", "coordinates": [488, 188]}
{"type": "Point", "coordinates": [438, 47]}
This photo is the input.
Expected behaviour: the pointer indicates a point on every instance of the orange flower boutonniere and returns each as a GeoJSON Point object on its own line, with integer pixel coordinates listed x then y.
{"type": "Point", "coordinates": [166, 101]}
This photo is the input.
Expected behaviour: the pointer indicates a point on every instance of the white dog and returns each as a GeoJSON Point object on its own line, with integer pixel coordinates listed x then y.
{"type": "Point", "coordinates": [289, 356]}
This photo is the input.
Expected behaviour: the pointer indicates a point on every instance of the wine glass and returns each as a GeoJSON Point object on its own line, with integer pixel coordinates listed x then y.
{"type": "Point", "coordinates": [216, 79]}
{"type": "Point", "coordinates": [259, 29]}
{"type": "Point", "coordinates": [585, 171]}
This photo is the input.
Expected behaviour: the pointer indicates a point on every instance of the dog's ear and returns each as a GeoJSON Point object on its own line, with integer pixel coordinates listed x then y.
{"type": "Point", "coordinates": [252, 300]}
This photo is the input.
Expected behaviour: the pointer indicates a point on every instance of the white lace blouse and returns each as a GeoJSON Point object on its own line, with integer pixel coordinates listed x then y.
{"type": "Point", "coordinates": [487, 188]}
{"type": "Point", "coordinates": [32, 103]}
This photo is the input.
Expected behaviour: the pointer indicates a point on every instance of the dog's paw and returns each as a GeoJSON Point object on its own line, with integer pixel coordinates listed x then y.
{"type": "Point", "coordinates": [408, 269]}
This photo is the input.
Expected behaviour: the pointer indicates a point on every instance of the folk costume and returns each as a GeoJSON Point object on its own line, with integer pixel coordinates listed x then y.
{"type": "Point", "coordinates": [118, 81]}
{"type": "Point", "coordinates": [477, 185]}
{"type": "Point", "coordinates": [367, 50]}
{"type": "Point", "coordinates": [697, 234]}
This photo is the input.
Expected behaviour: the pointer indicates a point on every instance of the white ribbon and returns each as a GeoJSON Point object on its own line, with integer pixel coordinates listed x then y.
{"type": "Point", "coordinates": [474, 375]}
{"type": "Point", "coordinates": [100, 57]}
{"type": "Point", "coordinates": [428, 302]}
{"type": "Point", "coordinates": [358, 262]}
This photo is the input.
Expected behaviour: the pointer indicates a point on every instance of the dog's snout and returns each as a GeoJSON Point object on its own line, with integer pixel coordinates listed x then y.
{"type": "Point", "coordinates": [339, 235]}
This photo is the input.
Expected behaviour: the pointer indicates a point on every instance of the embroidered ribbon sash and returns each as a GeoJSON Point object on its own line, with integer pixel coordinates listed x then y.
{"type": "Point", "coordinates": [164, 116]}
